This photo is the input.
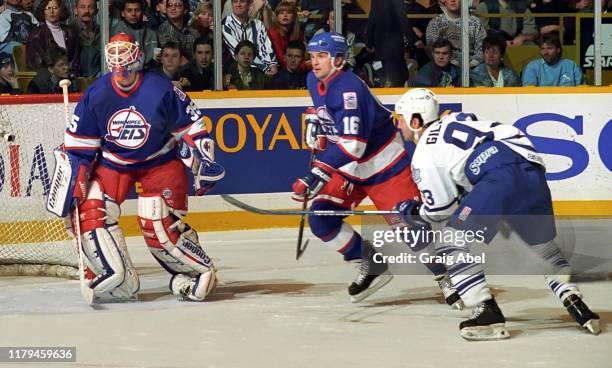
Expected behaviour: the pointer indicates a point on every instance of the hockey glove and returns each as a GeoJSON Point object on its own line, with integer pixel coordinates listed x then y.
{"type": "Point", "coordinates": [417, 238]}
{"type": "Point", "coordinates": [308, 186]}
{"type": "Point", "coordinates": [199, 157]}
{"type": "Point", "coordinates": [315, 137]}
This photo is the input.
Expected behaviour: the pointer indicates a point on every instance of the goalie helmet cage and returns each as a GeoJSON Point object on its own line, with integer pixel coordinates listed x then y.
{"type": "Point", "coordinates": [33, 242]}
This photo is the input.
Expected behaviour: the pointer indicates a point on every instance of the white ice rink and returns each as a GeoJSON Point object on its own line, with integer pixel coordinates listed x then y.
{"type": "Point", "coordinates": [276, 312]}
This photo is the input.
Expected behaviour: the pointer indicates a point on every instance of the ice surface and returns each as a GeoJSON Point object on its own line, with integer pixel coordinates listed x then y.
{"type": "Point", "coordinates": [276, 312]}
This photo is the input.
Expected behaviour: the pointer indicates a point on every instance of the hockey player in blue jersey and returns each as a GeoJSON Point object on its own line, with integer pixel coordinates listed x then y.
{"type": "Point", "coordinates": [504, 178]}
{"type": "Point", "coordinates": [360, 154]}
{"type": "Point", "coordinates": [133, 126]}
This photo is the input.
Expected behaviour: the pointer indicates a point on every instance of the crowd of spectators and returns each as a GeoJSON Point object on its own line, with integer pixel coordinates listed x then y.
{"type": "Point", "coordinates": [264, 41]}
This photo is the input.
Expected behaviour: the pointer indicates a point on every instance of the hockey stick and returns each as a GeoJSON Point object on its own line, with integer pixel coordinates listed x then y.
{"type": "Point", "coordinates": [247, 207]}
{"type": "Point", "coordinates": [299, 249]}
{"type": "Point", "coordinates": [86, 291]}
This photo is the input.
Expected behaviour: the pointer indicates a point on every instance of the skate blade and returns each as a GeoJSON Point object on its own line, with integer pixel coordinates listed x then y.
{"type": "Point", "coordinates": [458, 305]}
{"type": "Point", "coordinates": [485, 333]}
{"type": "Point", "coordinates": [378, 283]}
{"type": "Point", "coordinates": [592, 326]}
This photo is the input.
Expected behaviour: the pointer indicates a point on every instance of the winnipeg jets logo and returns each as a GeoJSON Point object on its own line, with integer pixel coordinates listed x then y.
{"type": "Point", "coordinates": [127, 128]}
{"type": "Point", "coordinates": [327, 124]}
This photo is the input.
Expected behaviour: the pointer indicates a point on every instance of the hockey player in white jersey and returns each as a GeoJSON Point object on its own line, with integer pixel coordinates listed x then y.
{"type": "Point", "coordinates": [504, 178]}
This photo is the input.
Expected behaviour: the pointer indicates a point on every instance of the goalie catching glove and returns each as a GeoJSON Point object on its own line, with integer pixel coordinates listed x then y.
{"type": "Point", "coordinates": [308, 186]}
{"type": "Point", "coordinates": [199, 155]}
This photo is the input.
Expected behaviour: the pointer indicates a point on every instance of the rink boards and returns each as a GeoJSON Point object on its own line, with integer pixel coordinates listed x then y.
{"type": "Point", "coordinates": [260, 142]}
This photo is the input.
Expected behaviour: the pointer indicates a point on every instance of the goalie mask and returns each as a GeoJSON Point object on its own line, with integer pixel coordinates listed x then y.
{"type": "Point", "coordinates": [123, 56]}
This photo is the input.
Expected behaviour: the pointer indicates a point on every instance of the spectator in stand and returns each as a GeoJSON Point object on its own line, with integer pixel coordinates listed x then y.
{"type": "Point", "coordinates": [238, 27]}
{"type": "Point", "coordinates": [47, 79]}
{"type": "Point", "coordinates": [314, 7]}
{"type": "Point", "coordinates": [516, 31]}
{"type": "Point", "coordinates": [200, 71]}
{"type": "Point", "coordinates": [492, 72]}
{"type": "Point", "coordinates": [171, 55]}
{"type": "Point", "coordinates": [132, 23]}
{"type": "Point", "coordinates": [417, 50]}
{"type": "Point", "coordinates": [8, 80]}
{"type": "Point", "coordinates": [27, 5]}
{"type": "Point", "coordinates": [549, 24]}
{"type": "Point", "coordinates": [51, 32]}
{"type": "Point", "coordinates": [293, 76]}
{"type": "Point", "coordinates": [175, 28]}
{"type": "Point", "coordinates": [262, 10]}
{"type": "Point", "coordinates": [15, 26]}
{"type": "Point", "coordinates": [448, 26]}
{"type": "Point", "coordinates": [284, 29]}
{"type": "Point", "coordinates": [88, 33]}
{"type": "Point", "coordinates": [202, 20]}
{"type": "Point", "coordinates": [327, 25]}
{"type": "Point", "coordinates": [156, 14]}
{"type": "Point", "coordinates": [243, 74]}
{"type": "Point", "coordinates": [439, 72]}
{"type": "Point", "coordinates": [551, 69]}
{"type": "Point", "coordinates": [387, 30]}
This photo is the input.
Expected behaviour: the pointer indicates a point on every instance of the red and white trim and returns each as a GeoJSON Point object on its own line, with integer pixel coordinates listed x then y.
{"type": "Point", "coordinates": [79, 142]}
{"type": "Point", "coordinates": [378, 163]}
{"type": "Point", "coordinates": [353, 147]}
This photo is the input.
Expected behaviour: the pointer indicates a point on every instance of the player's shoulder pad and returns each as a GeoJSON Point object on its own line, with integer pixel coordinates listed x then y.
{"type": "Point", "coordinates": [346, 91]}
{"type": "Point", "coordinates": [98, 90]}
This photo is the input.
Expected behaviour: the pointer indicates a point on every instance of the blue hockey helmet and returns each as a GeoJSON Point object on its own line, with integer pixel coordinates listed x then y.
{"type": "Point", "coordinates": [331, 42]}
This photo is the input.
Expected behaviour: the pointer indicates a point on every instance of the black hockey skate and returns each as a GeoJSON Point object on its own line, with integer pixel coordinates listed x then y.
{"type": "Point", "coordinates": [451, 296]}
{"type": "Point", "coordinates": [371, 277]}
{"type": "Point", "coordinates": [486, 323]}
{"type": "Point", "coordinates": [582, 314]}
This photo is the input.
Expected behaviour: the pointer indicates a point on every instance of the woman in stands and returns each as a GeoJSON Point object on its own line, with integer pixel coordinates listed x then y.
{"type": "Point", "coordinates": [284, 29]}
{"type": "Point", "coordinates": [52, 31]}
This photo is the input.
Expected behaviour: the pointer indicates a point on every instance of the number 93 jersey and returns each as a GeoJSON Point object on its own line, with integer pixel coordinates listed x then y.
{"type": "Point", "coordinates": [448, 161]}
{"type": "Point", "coordinates": [365, 146]}
{"type": "Point", "coordinates": [132, 130]}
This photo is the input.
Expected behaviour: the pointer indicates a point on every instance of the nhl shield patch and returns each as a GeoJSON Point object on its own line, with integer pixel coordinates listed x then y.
{"type": "Point", "coordinates": [350, 100]}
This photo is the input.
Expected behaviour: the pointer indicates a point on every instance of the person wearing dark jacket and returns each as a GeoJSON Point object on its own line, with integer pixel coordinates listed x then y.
{"type": "Point", "coordinates": [387, 33]}
{"type": "Point", "coordinates": [47, 80]}
{"type": "Point", "coordinates": [53, 32]}
{"type": "Point", "coordinates": [200, 70]}
{"type": "Point", "coordinates": [8, 81]}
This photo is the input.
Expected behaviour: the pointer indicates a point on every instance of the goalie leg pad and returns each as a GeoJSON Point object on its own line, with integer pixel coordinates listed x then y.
{"type": "Point", "coordinates": [171, 241]}
{"type": "Point", "coordinates": [104, 248]}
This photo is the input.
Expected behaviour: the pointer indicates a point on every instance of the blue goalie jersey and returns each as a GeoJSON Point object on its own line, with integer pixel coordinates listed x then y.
{"type": "Point", "coordinates": [133, 130]}
{"type": "Point", "coordinates": [365, 146]}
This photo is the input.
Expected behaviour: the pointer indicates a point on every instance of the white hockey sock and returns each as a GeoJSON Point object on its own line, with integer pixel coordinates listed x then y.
{"type": "Point", "coordinates": [559, 285]}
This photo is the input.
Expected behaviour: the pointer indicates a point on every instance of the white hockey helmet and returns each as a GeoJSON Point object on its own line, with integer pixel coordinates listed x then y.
{"type": "Point", "coordinates": [420, 101]}
{"type": "Point", "coordinates": [123, 55]}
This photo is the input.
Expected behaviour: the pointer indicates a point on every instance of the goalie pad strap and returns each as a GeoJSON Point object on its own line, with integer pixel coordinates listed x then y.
{"type": "Point", "coordinates": [171, 241]}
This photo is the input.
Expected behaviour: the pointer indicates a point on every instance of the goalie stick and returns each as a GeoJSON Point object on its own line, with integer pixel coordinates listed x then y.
{"type": "Point", "coordinates": [247, 207]}
{"type": "Point", "coordinates": [86, 291]}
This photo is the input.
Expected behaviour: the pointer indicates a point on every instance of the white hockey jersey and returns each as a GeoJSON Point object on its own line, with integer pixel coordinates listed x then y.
{"type": "Point", "coordinates": [441, 154]}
